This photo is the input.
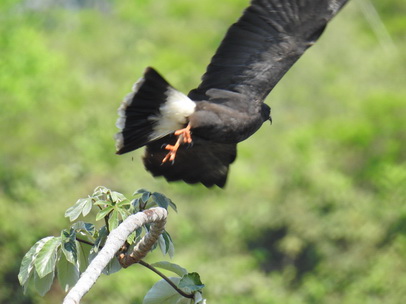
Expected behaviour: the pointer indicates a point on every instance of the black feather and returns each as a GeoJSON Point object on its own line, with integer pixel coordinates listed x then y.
{"type": "Point", "coordinates": [203, 162]}
{"type": "Point", "coordinates": [261, 47]}
{"type": "Point", "coordinates": [149, 94]}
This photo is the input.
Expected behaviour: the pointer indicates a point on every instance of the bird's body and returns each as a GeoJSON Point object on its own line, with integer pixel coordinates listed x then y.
{"type": "Point", "coordinates": [193, 138]}
{"type": "Point", "coordinates": [221, 123]}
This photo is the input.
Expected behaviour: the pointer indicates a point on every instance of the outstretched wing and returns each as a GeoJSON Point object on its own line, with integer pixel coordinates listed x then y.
{"type": "Point", "coordinates": [262, 46]}
{"type": "Point", "coordinates": [203, 162]}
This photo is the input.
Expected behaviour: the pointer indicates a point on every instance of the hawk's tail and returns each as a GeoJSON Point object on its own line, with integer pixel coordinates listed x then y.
{"type": "Point", "coordinates": [152, 110]}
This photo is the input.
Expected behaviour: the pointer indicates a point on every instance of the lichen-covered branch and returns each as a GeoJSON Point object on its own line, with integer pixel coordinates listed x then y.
{"type": "Point", "coordinates": [154, 216]}
{"type": "Point", "coordinates": [144, 246]}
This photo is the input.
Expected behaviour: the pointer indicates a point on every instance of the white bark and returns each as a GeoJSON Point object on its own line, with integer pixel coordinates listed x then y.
{"type": "Point", "coordinates": [116, 239]}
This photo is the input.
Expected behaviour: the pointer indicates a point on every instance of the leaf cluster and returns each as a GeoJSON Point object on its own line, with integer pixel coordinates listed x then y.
{"type": "Point", "coordinates": [68, 255]}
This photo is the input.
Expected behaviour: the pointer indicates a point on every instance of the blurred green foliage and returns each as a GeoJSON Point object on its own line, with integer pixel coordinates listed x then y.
{"type": "Point", "coordinates": [314, 210]}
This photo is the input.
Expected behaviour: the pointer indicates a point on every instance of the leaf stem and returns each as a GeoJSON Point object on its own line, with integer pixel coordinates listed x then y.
{"type": "Point", "coordinates": [84, 241]}
{"type": "Point", "coordinates": [106, 220]}
{"type": "Point", "coordinates": [168, 280]}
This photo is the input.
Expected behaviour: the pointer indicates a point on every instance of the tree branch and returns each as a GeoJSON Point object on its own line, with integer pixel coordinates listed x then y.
{"type": "Point", "coordinates": [142, 248]}
{"type": "Point", "coordinates": [168, 280]}
{"type": "Point", "coordinates": [154, 216]}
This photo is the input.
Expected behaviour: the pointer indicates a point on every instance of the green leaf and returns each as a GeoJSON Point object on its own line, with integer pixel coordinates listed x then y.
{"type": "Point", "coordinates": [68, 245]}
{"type": "Point", "coordinates": [161, 200]}
{"type": "Point", "coordinates": [68, 274]}
{"type": "Point", "coordinates": [83, 255]}
{"type": "Point", "coordinates": [135, 205]}
{"type": "Point", "coordinates": [185, 301]}
{"type": "Point", "coordinates": [124, 203]}
{"type": "Point", "coordinates": [104, 212]}
{"type": "Point", "coordinates": [180, 271]}
{"type": "Point", "coordinates": [100, 190]}
{"type": "Point", "coordinates": [87, 206]}
{"type": "Point", "coordinates": [145, 196]}
{"type": "Point", "coordinates": [199, 298]}
{"type": "Point", "coordinates": [173, 206]}
{"type": "Point", "coordinates": [168, 241]}
{"type": "Point", "coordinates": [103, 203]}
{"type": "Point", "coordinates": [83, 227]}
{"type": "Point", "coordinates": [117, 196]}
{"type": "Point", "coordinates": [29, 281]}
{"type": "Point", "coordinates": [134, 236]}
{"type": "Point", "coordinates": [191, 282]}
{"type": "Point", "coordinates": [43, 284]}
{"type": "Point", "coordinates": [74, 211]}
{"type": "Point", "coordinates": [81, 206]}
{"type": "Point", "coordinates": [140, 191]}
{"type": "Point", "coordinates": [113, 220]}
{"type": "Point", "coordinates": [27, 264]}
{"type": "Point", "coordinates": [123, 212]}
{"type": "Point", "coordinates": [112, 267]}
{"type": "Point", "coordinates": [100, 239]}
{"type": "Point", "coordinates": [46, 258]}
{"type": "Point", "coordinates": [163, 293]}
{"type": "Point", "coordinates": [166, 245]}
{"type": "Point", "coordinates": [162, 245]}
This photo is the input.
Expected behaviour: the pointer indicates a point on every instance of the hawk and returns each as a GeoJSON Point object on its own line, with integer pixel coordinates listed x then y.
{"type": "Point", "coordinates": [194, 137]}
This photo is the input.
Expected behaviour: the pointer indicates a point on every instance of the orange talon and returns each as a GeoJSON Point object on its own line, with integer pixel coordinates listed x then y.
{"type": "Point", "coordinates": [185, 133]}
{"type": "Point", "coordinates": [172, 151]}
{"type": "Point", "coordinates": [184, 136]}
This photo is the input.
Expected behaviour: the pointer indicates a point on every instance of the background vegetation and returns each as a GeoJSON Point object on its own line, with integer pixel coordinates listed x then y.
{"type": "Point", "coordinates": [314, 210]}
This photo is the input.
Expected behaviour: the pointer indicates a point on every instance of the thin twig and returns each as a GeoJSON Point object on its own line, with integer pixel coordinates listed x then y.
{"type": "Point", "coordinates": [168, 280]}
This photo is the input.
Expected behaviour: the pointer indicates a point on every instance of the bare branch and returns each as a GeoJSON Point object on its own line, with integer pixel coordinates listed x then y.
{"type": "Point", "coordinates": [154, 216]}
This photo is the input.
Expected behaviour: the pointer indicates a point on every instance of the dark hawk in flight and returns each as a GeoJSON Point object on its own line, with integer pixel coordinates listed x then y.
{"type": "Point", "coordinates": [194, 137]}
